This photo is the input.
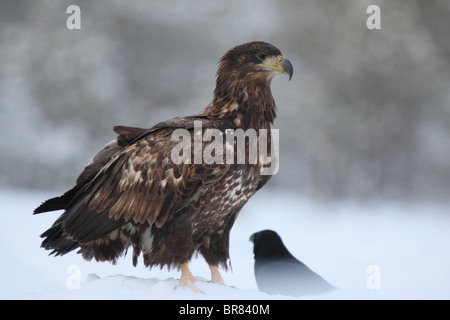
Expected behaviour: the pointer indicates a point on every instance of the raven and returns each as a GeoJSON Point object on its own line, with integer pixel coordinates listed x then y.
{"type": "Point", "coordinates": [277, 271]}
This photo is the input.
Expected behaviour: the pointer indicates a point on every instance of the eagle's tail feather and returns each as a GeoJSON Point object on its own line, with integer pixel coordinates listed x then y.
{"type": "Point", "coordinates": [56, 240]}
{"type": "Point", "coordinates": [57, 203]}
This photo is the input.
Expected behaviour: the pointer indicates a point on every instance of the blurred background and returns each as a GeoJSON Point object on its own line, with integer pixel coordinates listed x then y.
{"type": "Point", "coordinates": [366, 115]}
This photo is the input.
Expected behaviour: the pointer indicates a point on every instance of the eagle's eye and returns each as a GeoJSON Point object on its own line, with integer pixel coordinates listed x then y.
{"type": "Point", "coordinates": [261, 56]}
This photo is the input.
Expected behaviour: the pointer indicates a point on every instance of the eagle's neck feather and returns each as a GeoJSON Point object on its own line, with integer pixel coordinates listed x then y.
{"type": "Point", "coordinates": [247, 98]}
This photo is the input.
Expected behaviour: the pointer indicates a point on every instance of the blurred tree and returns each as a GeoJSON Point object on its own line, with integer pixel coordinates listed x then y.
{"type": "Point", "coordinates": [366, 114]}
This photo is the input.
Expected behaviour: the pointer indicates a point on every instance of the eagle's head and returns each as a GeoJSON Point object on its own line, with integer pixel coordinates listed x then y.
{"type": "Point", "coordinates": [243, 83]}
{"type": "Point", "coordinates": [254, 60]}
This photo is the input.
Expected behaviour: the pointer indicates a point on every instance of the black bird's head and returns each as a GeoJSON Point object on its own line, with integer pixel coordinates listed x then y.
{"type": "Point", "coordinates": [267, 244]}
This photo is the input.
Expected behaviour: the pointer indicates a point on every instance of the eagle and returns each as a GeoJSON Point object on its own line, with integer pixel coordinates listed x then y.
{"type": "Point", "coordinates": [134, 193]}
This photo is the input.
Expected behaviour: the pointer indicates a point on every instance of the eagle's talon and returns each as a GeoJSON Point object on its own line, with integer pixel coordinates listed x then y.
{"type": "Point", "coordinates": [187, 284]}
{"type": "Point", "coordinates": [187, 280]}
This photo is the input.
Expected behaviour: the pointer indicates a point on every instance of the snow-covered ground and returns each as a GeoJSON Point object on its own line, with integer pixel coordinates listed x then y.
{"type": "Point", "coordinates": [370, 251]}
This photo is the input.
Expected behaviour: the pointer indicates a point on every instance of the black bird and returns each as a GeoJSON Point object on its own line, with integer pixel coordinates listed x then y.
{"type": "Point", "coordinates": [277, 271]}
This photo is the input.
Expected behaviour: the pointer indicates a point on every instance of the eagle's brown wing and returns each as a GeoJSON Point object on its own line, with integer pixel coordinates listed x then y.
{"type": "Point", "coordinates": [132, 180]}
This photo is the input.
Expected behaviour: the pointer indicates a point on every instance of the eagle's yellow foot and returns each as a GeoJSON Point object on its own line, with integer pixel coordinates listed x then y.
{"type": "Point", "coordinates": [187, 279]}
{"type": "Point", "coordinates": [215, 275]}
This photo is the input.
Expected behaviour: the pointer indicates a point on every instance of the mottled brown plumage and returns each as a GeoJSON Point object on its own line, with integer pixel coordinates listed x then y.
{"type": "Point", "coordinates": [132, 193]}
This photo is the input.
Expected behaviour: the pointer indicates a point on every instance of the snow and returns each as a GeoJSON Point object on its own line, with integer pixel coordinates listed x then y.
{"type": "Point", "coordinates": [379, 250]}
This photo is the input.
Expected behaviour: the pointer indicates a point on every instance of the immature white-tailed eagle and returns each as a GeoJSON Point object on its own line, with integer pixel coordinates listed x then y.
{"type": "Point", "coordinates": [132, 193]}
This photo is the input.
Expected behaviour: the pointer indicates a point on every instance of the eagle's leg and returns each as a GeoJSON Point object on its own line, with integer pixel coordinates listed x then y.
{"type": "Point", "coordinates": [215, 275]}
{"type": "Point", "coordinates": [187, 279]}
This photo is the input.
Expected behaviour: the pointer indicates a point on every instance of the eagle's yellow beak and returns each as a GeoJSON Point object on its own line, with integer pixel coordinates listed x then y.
{"type": "Point", "coordinates": [278, 64]}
